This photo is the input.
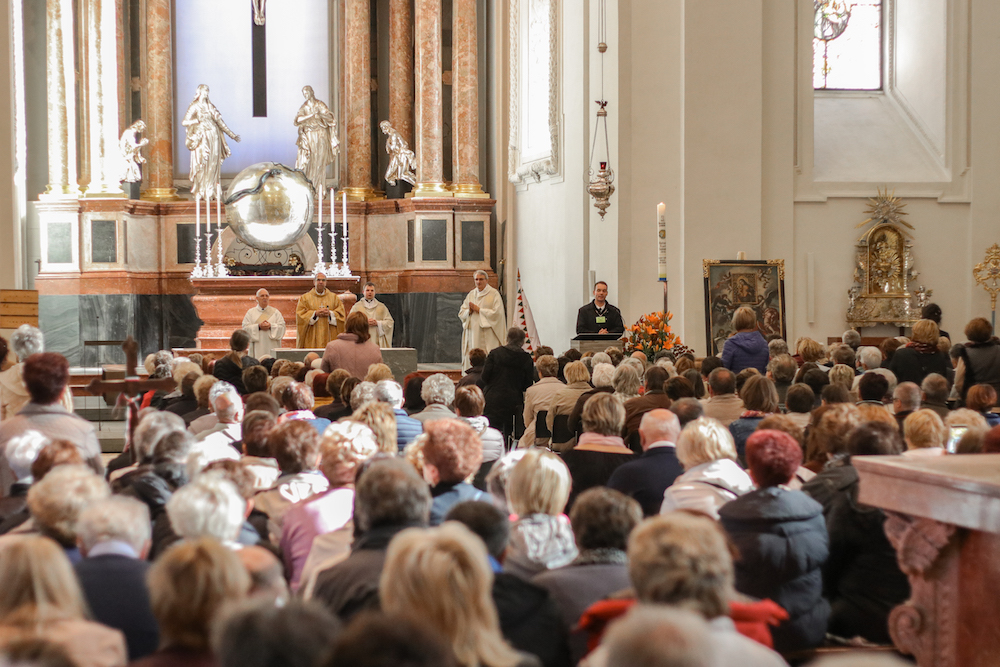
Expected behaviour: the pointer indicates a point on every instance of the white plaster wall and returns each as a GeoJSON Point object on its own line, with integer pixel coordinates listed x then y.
{"type": "Point", "coordinates": [710, 118]}
{"type": "Point", "coordinates": [549, 247]}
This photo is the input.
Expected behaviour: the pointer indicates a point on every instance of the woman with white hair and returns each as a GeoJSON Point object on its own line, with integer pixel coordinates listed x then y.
{"type": "Point", "coordinates": [711, 475]}
{"type": "Point", "coordinates": [442, 575]}
{"type": "Point", "coordinates": [24, 342]}
{"type": "Point", "coordinates": [210, 506]}
{"type": "Point", "coordinates": [438, 392]}
{"type": "Point", "coordinates": [483, 318]}
{"type": "Point", "coordinates": [21, 452]}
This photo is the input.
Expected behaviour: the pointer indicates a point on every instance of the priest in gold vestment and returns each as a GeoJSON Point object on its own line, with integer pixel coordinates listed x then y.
{"type": "Point", "coordinates": [380, 322]}
{"type": "Point", "coordinates": [319, 316]}
{"type": "Point", "coordinates": [484, 324]}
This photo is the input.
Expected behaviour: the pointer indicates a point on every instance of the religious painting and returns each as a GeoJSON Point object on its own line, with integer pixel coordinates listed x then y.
{"type": "Point", "coordinates": [730, 284]}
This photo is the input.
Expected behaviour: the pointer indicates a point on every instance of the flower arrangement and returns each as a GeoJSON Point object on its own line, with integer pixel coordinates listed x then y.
{"type": "Point", "coordinates": [651, 334]}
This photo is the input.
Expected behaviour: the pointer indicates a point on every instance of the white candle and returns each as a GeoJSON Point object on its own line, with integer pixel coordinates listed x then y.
{"type": "Point", "coordinates": [197, 237]}
{"type": "Point", "coordinates": [661, 240]}
{"type": "Point", "coordinates": [319, 230]}
{"type": "Point", "coordinates": [218, 224]}
{"type": "Point", "coordinates": [344, 253]}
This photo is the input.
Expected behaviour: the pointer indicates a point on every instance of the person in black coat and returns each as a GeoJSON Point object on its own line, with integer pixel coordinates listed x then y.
{"type": "Point", "coordinates": [477, 357]}
{"type": "Point", "coordinates": [861, 578]}
{"type": "Point", "coordinates": [114, 537]}
{"type": "Point", "coordinates": [230, 367]}
{"type": "Point", "coordinates": [506, 375]}
{"type": "Point", "coordinates": [921, 356]}
{"type": "Point", "coordinates": [647, 478]}
{"type": "Point", "coordinates": [782, 541]}
{"type": "Point", "coordinates": [529, 618]}
{"type": "Point", "coordinates": [599, 316]}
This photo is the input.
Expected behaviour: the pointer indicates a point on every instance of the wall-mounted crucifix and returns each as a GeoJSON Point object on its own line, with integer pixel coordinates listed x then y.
{"type": "Point", "coordinates": [258, 46]}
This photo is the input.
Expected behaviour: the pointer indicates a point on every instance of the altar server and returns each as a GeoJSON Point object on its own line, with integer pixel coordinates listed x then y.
{"type": "Point", "coordinates": [265, 324]}
{"type": "Point", "coordinates": [379, 318]}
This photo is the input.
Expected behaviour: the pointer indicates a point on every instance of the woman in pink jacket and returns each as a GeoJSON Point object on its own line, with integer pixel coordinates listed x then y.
{"type": "Point", "coordinates": [352, 350]}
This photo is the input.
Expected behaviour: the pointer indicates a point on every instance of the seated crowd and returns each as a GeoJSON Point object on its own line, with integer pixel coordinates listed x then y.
{"type": "Point", "coordinates": [596, 509]}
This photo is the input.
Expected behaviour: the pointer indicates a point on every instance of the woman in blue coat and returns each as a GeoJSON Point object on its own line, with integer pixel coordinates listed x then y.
{"type": "Point", "coordinates": [746, 348]}
{"type": "Point", "coordinates": [782, 541]}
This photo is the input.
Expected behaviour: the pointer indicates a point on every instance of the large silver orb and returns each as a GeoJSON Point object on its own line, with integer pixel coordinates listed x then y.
{"type": "Point", "coordinates": [269, 206]}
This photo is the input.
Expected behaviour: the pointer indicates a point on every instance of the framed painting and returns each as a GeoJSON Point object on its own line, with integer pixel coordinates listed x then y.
{"type": "Point", "coordinates": [730, 284]}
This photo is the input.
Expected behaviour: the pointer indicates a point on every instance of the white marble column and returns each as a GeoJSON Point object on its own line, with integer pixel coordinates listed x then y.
{"type": "Point", "coordinates": [102, 99]}
{"type": "Point", "coordinates": [429, 128]}
{"type": "Point", "coordinates": [61, 102]}
{"type": "Point", "coordinates": [465, 100]}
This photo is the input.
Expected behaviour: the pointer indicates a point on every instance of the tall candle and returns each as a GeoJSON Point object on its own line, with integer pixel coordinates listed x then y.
{"type": "Point", "coordinates": [218, 224]}
{"type": "Point", "coordinates": [344, 253]}
{"type": "Point", "coordinates": [661, 240]}
{"type": "Point", "coordinates": [197, 238]}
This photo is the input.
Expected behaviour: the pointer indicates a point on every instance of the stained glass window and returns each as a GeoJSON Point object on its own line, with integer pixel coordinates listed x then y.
{"type": "Point", "coordinates": [847, 45]}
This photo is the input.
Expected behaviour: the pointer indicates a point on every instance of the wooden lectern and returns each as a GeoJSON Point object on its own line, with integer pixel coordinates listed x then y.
{"type": "Point", "coordinates": [944, 521]}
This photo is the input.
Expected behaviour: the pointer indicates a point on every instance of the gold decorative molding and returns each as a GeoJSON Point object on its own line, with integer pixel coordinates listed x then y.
{"type": "Point", "coordinates": [987, 274]}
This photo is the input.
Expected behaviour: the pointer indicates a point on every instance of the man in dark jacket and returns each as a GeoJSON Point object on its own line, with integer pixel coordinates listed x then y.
{"type": "Point", "coordinates": [647, 477]}
{"type": "Point", "coordinates": [114, 539]}
{"type": "Point", "coordinates": [861, 577]}
{"type": "Point", "coordinates": [529, 618]}
{"type": "Point", "coordinates": [390, 497]}
{"type": "Point", "coordinates": [507, 373]}
{"type": "Point", "coordinates": [599, 316]}
{"type": "Point", "coordinates": [782, 541]}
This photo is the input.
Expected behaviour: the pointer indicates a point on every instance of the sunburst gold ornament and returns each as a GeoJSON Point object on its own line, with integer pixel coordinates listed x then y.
{"type": "Point", "coordinates": [987, 274]}
{"type": "Point", "coordinates": [886, 208]}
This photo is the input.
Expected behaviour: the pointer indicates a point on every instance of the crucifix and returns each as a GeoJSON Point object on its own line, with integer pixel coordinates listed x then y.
{"type": "Point", "coordinates": [258, 50]}
{"type": "Point", "coordinates": [131, 389]}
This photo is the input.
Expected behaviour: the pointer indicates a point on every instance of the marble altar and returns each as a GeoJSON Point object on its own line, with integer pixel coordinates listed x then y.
{"type": "Point", "coordinates": [943, 518]}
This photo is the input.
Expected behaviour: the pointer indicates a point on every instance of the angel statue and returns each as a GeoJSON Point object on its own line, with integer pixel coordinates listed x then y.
{"type": "Point", "coordinates": [130, 145]}
{"type": "Point", "coordinates": [207, 142]}
{"type": "Point", "coordinates": [317, 142]}
{"type": "Point", "coordinates": [923, 296]}
{"type": "Point", "coordinates": [402, 161]}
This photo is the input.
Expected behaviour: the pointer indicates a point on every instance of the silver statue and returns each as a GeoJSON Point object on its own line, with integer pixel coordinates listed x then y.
{"type": "Point", "coordinates": [207, 143]}
{"type": "Point", "coordinates": [130, 146]}
{"type": "Point", "coordinates": [317, 142]}
{"type": "Point", "coordinates": [258, 11]}
{"type": "Point", "coordinates": [923, 296]}
{"type": "Point", "coordinates": [402, 161]}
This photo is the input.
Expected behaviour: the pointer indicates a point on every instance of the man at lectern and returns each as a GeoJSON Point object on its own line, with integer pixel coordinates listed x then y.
{"type": "Point", "coordinates": [599, 316]}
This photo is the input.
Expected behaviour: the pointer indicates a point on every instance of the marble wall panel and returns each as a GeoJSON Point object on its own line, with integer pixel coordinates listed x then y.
{"type": "Point", "coordinates": [59, 320]}
{"type": "Point", "coordinates": [428, 322]}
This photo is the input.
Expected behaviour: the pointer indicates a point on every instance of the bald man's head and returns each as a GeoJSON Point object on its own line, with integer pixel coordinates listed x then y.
{"type": "Point", "coordinates": [658, 426]}
{"type": "Point", "coordinates": [266, 572]}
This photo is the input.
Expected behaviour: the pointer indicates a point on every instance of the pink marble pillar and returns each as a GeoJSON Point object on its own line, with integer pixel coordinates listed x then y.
{"type": "Point", "coordinates": [429, 128]}
{"type": "Point", "coordinates": [159, 114]}
{"type": "Point", "coordinates": [465, 100]}
{"type": "Point", "coordinates": [401, 68]}
{"type": "Point", "coordinates": [357, 99]}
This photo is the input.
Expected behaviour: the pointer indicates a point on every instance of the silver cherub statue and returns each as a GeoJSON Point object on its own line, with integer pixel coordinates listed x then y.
{"type": "Point", "coordinates": [130, 145]}
{"type": "Point", "coordinates": [402, 161]}
{"type": "Point", "coordinates": [923, 296]}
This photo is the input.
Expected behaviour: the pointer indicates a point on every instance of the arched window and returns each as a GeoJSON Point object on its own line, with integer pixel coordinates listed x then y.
{"type": "Point", "coordinates": [847, 45]}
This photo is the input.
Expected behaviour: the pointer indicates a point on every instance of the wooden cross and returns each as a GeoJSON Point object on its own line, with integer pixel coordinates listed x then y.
{"type": "Point", "coordinates": [131, 386]}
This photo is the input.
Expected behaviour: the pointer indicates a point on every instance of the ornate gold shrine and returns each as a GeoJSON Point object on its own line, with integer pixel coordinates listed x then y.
{"type": "Point", "coordinates": [883, 271]}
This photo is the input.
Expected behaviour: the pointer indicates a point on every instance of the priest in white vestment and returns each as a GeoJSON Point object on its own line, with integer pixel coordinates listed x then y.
{"type": "Point", "coordinates": [380, 321]}
{"type": "Point", "coordinates": [484, 323]}
{"type": "Point", "coordinates": [265, 325]}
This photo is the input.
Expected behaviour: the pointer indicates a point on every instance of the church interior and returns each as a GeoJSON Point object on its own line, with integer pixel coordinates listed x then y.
{"type": "Point", "coordinates": [829, 165]}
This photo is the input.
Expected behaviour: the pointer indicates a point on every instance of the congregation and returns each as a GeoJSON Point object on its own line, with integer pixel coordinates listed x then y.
{"type": "Point", "coordinates": [593, 509]}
